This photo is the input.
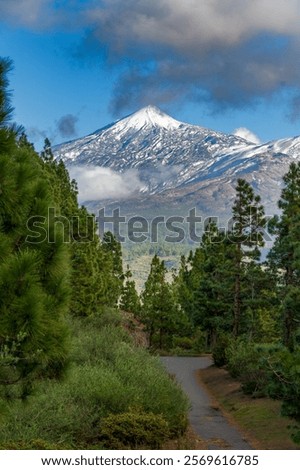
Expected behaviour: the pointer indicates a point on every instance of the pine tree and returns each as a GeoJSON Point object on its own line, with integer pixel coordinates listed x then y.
{"type": "Point", "coordinates": [182, 282]}
{"type": "Point", "coordinates": [112, 248]}
{"type": "Point", "coordinates": [8, 132]}
{"type": "Point", "coordinates": [260, 302]}
{"type": "Point", "coordinates": [213, 297]}
{"type": "Point", "coordinates": [160, 312]}
{"type": "Point", "coordinates": [64, 190]}
{"type": "Point", "coordinates": [130, 301]}
{"type": "Point", "coordinates": [150, 296]}
{"type": "Point", "coordinates": [94, 280]}
{"type": "Point", "coordinates": [284, 257]}
{"type": "Point", "coordinates": [246, 233]}
{"type": "Point", "coordinates": [49, 254]}
{"type": "Point", "coordinates": [34, 274]}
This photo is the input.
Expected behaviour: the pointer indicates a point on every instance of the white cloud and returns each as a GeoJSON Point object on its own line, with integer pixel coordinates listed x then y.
{"type": "Point", "coordinates": [167, 22]}
{"type": "Point", "coordinates": [186, 24]}
{"type": "Point", "coordinates": [225, 52]}
{"type": "Point", "coordinates": [247, 134]}
{"type": "Point", "coordinates": [97, 183]}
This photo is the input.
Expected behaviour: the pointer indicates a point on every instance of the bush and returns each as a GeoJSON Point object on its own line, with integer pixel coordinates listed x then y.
{"type": "Point", "coordinates": [108, 376]}
{"type": "Point", "coordinates": [219, 350]}
{"type": "Point", "coordinates": [250, 363]}
{"type": "Point", "coordinates": [134, 429]}
{"type": "Point", "coordinates": [285, 384]}
{"type": "Point", "coordinates": [244, 362]}
{"type": "Point", "coordinates": [150, 387]}
{"type": "Point", "coordinates": [183, 343]}
{"type": "Point", "coordinates": [194, 344]}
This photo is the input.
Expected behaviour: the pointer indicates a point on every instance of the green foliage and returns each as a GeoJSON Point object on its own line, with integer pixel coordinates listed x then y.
{"type": "Point", "coordinates": [107, 376]}
{"type": "Point", "coordinates": [134, 429]}
{"type": "Point", "coordinates": [221, 286]}
{"type": "Point", "coordinates": [34, 276]}
{"type": "Point", "coordinates": [160, 313]}
{"type": "Point", "coordinates": [261, 316]}
{"type": "Point", "coordinates": [112, 248]}
{"type": "Point", "coordinates": [284, 257]}
{"type": "Point", "coordinates": [130, 301]}
{"type": "Point", "coordinates": [266, 325]}
{"type": "Point", "coordinates": [186, 282]}
{"type": "Point", "coordinates": [213, 297]}
{"type": "Point", "coordinates": [219, 352]}
{"type": "Point", "coordinates": [268, 370]}
{"type": "Point", "coordinates": [246, 234]}
{"type": "Point", "coordinates": [286, 379]}
{"type": "Point", "coordinates": [34, 444]}
{"type": "Point", "coordinates": [183, 342]}
{"type": "Point", "coordinates": [93, 284]}
{"type": "Point", "coordinates": [189, 345]}
{"type": "Point", "coordinates": [96, 276]}
{"type": "Point", "coordinates": [248, 362]}
{"type": "Point", "coordinates": [8, 132]}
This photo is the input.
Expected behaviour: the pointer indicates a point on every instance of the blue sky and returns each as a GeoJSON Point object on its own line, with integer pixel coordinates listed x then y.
{"type": "Point", "coordinates": [222, 64]}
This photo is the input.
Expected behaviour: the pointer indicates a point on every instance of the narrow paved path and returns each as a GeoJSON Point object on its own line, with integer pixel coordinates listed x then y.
{"type": "Point", "coordinates": [209, 423]}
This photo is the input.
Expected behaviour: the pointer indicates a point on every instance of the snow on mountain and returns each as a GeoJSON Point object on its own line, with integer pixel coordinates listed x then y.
{"type": "Point", "coordinates": [177, 161]}
{"type": "Point", "coordinates": [151, 116]}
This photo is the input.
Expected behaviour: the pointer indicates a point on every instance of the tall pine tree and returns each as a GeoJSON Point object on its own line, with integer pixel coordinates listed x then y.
{"type": "Point", "coordinates": [34, 274]}
{"type": "Point", "coordinates": [248, 222]}
{"type": "Point", "coordinates": [284, 257]}
{"type": "Point", "coordinates": [213, 297]}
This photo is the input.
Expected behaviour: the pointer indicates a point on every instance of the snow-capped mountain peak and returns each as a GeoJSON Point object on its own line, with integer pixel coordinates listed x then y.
{"type": "Point", "coordinates": [176, 161]}
{"type": "Point", "coordinates": [150, 116]}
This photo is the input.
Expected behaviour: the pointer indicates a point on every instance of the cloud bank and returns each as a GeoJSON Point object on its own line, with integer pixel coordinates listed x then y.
{"type": "Point", "coordinates": [223, 52]}
{"type": "Point", "coordinates": [226, 53]}
{"type": "Point", "coordinates": [99, 183]}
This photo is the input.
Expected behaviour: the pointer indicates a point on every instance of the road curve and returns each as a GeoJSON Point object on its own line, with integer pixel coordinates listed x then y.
{"type": "Point", "coordinates": [209, 423]}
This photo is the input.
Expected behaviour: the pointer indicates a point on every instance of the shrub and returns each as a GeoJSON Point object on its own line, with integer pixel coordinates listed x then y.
{"type": "Point", "coordinates": [134, 429]}
{"type": "Point", "coordinates": [285, 384]}
{"type": "Point", "coordinates": [194, 344]}
{"type": "Point", "coordinates": [108, 376]}
{"type": "Point", "coordinates": [244, 363]}
{"type": "Point", "coordinates": [250, 363]}
{"type": "Point", "coordinates": [150, 387]}
{"type": "Point", "coordinates": [183, 343]}
{"type": "Point", "coordinates": [219, 350]}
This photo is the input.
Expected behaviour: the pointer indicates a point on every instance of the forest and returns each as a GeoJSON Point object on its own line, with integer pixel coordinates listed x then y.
{"type": "Point", "coordinates": [79, 347]}
{"type": "Point", "coordinates": [225, 300]}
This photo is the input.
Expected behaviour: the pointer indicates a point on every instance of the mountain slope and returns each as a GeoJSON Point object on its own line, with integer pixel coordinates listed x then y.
{"type": "Point", "coordinates": [181, 165]}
